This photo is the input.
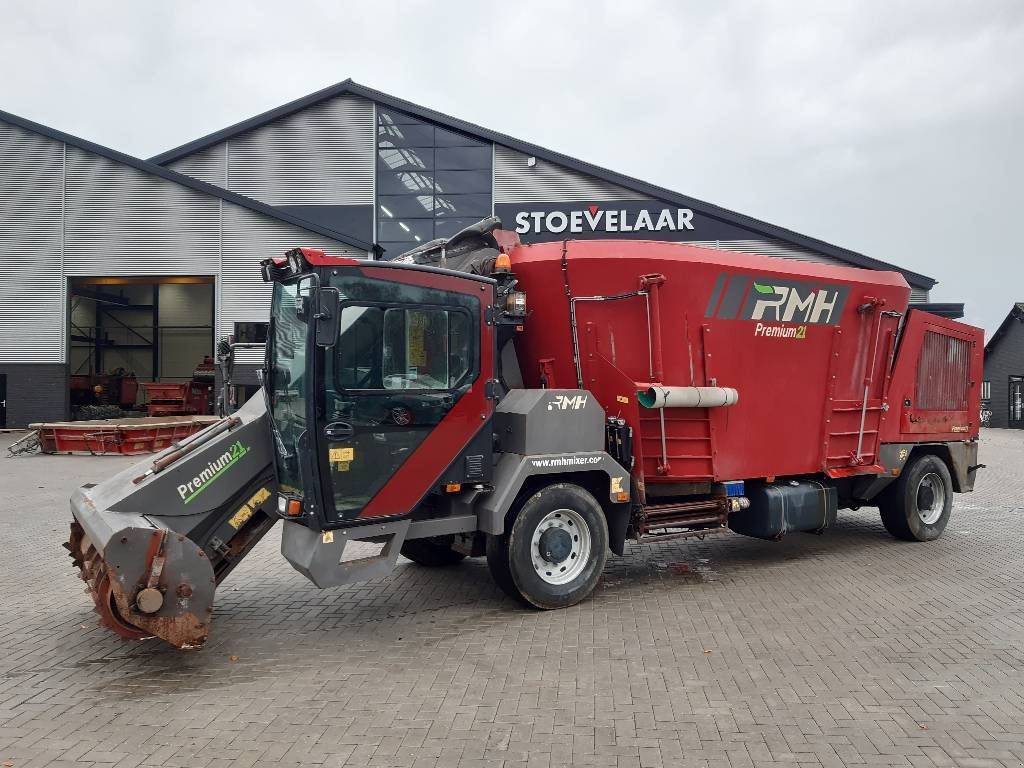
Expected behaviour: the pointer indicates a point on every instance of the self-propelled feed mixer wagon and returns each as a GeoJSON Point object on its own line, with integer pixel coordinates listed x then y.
{"type": "Point", "coordinates": [541, 405]}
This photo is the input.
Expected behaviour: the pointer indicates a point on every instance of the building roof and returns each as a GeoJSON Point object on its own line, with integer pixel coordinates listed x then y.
{"type": "Point", "coordinates": [952, 310]}
{"type": "Point", "coordinates": [1016, 313]}
{"type": "Point", "coordinates": [178, 178]}
{"type": "Point", "coordinates": [349, 87]}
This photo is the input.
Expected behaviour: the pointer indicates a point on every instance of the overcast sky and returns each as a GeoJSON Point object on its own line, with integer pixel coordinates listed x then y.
{"type": "Point", "coordinates": [892, 128]}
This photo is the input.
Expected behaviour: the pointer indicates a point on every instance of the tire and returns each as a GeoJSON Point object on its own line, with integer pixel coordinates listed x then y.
{"type": "Point", "coordinates": [917, 506]}
{"type": "Point", "coordinates": [556, 549]}
{"type": "Point", "coordinates": [432, 552]}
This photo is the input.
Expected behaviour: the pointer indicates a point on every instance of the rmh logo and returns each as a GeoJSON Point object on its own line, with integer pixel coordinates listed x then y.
{"type": "Point", "coordinates": [567, 402]}
{"type": "Point", "coordinates": [785, 304]}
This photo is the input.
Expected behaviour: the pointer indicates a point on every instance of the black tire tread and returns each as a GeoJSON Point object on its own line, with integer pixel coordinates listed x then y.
{"type": "Point", "coordinates": [894, 507]}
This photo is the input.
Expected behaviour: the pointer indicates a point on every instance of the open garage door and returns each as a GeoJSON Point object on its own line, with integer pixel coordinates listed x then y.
{"type": "Point", "coordinates": [128, 334]}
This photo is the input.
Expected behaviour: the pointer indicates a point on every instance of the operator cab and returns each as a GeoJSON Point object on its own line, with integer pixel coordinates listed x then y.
{"type": "Point", "coordinates": [380, 385]}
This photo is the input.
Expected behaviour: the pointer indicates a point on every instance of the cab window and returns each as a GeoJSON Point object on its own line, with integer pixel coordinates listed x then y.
{"type": "Point", "coordinates": [404, 348]}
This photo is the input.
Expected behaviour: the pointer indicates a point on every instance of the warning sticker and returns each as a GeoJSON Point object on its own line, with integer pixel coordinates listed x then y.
{"type": "Point", "coordinates": [341, 454]}
{"type": "Point", "coordinates": [245, 512]}
{"type": "Point", "coordinates": [241, 517]}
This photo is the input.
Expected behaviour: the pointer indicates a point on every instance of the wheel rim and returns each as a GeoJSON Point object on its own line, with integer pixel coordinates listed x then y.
{"type": "Point", "coordinates": [931, 498]}
{"type": "Point", "coordinates": [560, 546]}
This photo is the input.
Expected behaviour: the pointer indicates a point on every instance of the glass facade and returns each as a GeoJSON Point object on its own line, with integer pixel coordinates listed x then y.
{"type": "Point", "coordinates": [431, 182]}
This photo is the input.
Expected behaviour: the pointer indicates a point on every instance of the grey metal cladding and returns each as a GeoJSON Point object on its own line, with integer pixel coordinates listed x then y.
{"type": "Point", "coordinates": [249, 237]}
{"type": "Point", "coordinates": [209, 165]}
{"type": "Point", "coordinates": [516, 181]}
{"type": "Point", "coordinates": [323, 155]}
{"type": "Point", "coordinates": [31, 292]}
{"type": "Point", "coordinates": [122, 221]}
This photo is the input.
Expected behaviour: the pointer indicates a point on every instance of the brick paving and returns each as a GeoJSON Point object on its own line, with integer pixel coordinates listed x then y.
{"type": "Point", "coordinates": [849, 648]}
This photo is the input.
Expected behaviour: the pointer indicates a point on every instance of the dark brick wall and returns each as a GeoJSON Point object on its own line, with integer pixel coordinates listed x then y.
{"type": "Point", "coordinates": [35, 392]}
{"type": "Point", "coordinates": [1006, 359]}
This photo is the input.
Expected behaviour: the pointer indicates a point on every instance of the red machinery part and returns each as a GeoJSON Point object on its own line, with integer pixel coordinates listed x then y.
{"type": "Point", "coordinates": [802, 343]}
{"type": "Point", "coordinates": [117, 436]}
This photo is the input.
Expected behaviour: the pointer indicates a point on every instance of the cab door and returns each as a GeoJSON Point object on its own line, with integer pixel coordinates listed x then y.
{"type": "Point", "coordinates": [404, 388]}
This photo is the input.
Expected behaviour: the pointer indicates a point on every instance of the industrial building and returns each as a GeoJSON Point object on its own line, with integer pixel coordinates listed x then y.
{"type": "Point", "coordinates": [119, 265]}
{"type": "Point", "coordinates": [1003, 388]}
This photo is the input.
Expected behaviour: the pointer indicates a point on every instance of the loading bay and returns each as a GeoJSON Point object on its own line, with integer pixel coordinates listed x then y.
{"type": "Point", "coordinates": [849, 648]}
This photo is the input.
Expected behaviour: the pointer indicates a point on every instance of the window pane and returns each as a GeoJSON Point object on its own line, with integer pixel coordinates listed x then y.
{"type": "Point", "coordinates": [358, 351]}
{"type": "Point", "coordinates": [460, 348]}
{"type": "Point", "coordinates": [456, 182]}
{"type": "Point", "coordinates": [393, 249]}
{"type": "Point", "coordinates": [424, 171]}
{"type": "Point", "coordinates": [405, 135]}
{"type": "Point", "coordinates": [463, 205]}
{"type": "Point", "coordinates": [445, 138]}
{"type": "Point", "coordinates": [405, 229]}
{"type": "Point", "coordinates": [448, 227]}
{"type": "Point", "coordinates": [405, 159]}
{"type": "Point", "coordinates": [415, 349]}
{"type": "Point", "coordinates": [394, 117]}
{"type": "Point", "coordinates": [411, 206]}
{"type": "Point", "coordinates": [463, 158]}
{"type": "Point", "coordinates": [389, 183]}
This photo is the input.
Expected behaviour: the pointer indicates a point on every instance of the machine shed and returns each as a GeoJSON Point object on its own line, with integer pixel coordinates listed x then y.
{"type": "Point", "coordinates": [117, 265]}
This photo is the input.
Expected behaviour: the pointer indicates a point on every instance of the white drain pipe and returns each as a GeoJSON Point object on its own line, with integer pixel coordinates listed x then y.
{"type": "Point", "coordinates": [664, 396]}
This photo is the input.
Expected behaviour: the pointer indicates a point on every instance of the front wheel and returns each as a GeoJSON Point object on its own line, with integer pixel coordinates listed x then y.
{"type": "Point", "coordinates": [556, 549]}
{"type": "Point", "coordinates": [917, 506]}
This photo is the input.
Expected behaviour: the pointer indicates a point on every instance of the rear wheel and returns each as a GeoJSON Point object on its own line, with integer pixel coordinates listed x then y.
{"type": "Point", "coordinates": [432, 551]}
{"type": "Point", "coordinates": [917, 506]}
{"type": "Point", "coordinates": [553, 555]}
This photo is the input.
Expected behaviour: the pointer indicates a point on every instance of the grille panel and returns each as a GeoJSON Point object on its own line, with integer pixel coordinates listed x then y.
{"type": "Point", "coordinates": [943, 373]}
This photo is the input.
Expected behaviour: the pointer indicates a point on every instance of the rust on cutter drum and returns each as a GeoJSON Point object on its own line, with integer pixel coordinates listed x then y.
{"type": "Point", "coordinates": [114, 605]}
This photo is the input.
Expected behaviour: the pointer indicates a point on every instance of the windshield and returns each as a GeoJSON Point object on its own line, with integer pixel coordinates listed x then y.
{"type": "Point", "coordinates": [286, 384]}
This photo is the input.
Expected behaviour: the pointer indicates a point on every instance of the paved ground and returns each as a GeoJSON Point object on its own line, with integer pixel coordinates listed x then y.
{"type": "Point", "coordinates": [848, 648]}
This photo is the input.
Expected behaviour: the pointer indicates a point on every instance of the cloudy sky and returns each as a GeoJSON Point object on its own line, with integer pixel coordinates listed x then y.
{"type": "Point", "coordinates": [892, 128]}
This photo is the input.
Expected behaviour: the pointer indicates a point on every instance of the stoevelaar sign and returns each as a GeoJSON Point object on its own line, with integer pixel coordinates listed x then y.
{"type": "Point", "coordinates": [633, 219]}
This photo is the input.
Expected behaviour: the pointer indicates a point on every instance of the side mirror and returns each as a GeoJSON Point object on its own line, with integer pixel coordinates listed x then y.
{"type": "Point", "coordinates": [328, 303]}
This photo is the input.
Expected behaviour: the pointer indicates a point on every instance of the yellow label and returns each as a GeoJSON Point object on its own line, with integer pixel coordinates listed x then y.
{"type": "Point", "coordinates": [616, 485]}
{"type": "Point", "coordinates": [241, 517]}
{"type": "Point", "coordinates": [622, 398]}
{"type": "Point", "coordinates": [259, 497]}
{"type": "Point", "coordinates": [342, 466]}
{"type": "Point", "coordinates": [328, 537]}
{"type": "Point", "coordinates": [341, 454]}
{"type": "Point", "coordinates": [417, 338]}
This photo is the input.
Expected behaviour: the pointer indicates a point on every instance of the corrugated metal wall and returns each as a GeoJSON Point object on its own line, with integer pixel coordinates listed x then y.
{"type": "Point", "coordinates": [110, 219]}
{"type": "Point", "coordinates": [323, 155]}
{"type": "Point", "coordinates": [515, 181]}
{"type": "Point", "coordinates": [769, 247]}
{"type": "Point", "coordinates": [31, 294]}
{"type": "Point", "coordinates": [209, 165]}
{"type": "Point", "coordinates": [121, 221]}
{"type": "Point", "coordinates": [248, 238]}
